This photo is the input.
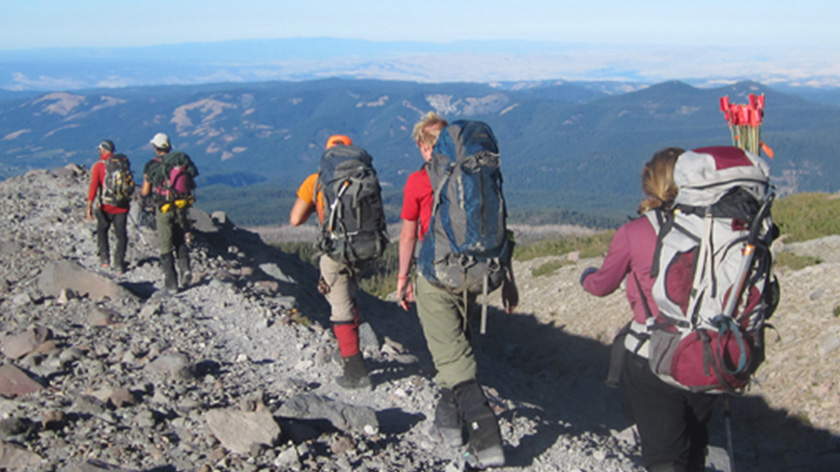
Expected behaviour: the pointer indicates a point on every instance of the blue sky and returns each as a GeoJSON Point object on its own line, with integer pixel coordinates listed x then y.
{"type": "Point", "coordinates": [761, 26]}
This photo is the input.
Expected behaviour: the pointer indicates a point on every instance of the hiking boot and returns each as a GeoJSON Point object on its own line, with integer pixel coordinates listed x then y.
{"type": "Point", "coordinates": [484, 440]}
{"type": "Point", "coordinates": [447, 424]}
{"type": "Point", "coordinates": [355, 374]}
{"type": "Point", "coordinates": [184, 266]}
{"type": "Point", "coordinates": [167, 264]}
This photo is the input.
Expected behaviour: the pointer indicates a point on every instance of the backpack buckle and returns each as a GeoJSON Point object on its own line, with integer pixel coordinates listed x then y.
{"type": "Point", "coordinates": [184, 202]}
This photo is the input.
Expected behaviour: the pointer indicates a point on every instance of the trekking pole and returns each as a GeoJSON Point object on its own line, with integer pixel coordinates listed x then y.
{"type": "Point", "coordinates": [137, 227]}
{"type": "Point", "coordinates": [749, 253]}
{"type": "Point", "coordinates": [727, 420]}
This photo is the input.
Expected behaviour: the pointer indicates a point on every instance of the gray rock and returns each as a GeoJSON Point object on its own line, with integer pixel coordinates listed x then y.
{"type": "Point", "coordinates": [828, 343]}
{"type": "Point", "coordinates": [368, 341]}
{"type": "Point", "coordinates": [14, 426]}
{"type": "Point", "coordinates": [9, 247]}
{"type": "Point", "coordinates": [201, 221]}
{"type": "Point", "coordinates": [14, 457]}
{"type": "Point", "coordinates": [274, 270]}
{"type": "Point", "coordinates": [15, 382]}
{"type": "Point", "coordinates": [88, 404]}
{"type": "Point", "coordinates": [93, 465]}
{"type": "Point", "coordinates": [239, 430]}
{"type": "Point", "coordinates": [175, 363]}
{"type": "Point", "coordinates": [288, 459]}
{"type": "Point", "coordinates": [18, 345]}
{"type": "Point", "coordinates": [342, 416]}
{"type": "Point", "coordinates": [60, 275]}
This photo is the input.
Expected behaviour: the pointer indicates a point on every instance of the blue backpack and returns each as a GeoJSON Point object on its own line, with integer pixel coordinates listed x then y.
{"type": "Point", "coordinates": [467, 248]}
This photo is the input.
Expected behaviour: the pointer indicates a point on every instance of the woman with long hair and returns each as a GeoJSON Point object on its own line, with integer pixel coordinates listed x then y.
{"type": "Point", "coordinates": [671, 420]}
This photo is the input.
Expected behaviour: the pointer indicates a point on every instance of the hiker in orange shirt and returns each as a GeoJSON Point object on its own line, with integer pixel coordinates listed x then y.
{"type": "Point", "coordinates": [338, 283]}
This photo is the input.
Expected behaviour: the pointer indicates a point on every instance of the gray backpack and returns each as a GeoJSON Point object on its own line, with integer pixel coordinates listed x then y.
{"type": "Point", "coordinates": [354, 230]}
{"type": "Point", "coordinates": [713, 272]}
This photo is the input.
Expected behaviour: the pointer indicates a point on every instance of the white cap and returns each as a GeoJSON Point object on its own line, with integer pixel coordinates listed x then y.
{"type": "Point", "coordinates": [161, 141]}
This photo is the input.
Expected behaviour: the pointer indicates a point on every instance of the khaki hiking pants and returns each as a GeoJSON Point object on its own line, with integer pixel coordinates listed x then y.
{"type": "Point", "coordinates": [444, 318]}
{"type": "Point", "coordinates": [343, 284]}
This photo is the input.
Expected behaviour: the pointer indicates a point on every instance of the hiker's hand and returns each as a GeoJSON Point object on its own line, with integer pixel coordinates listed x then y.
{"type": "Point", "coordinates": [586, 273]}
{"type": "Point", "coordinates": [405, 290]}
{"type": "Point", "coordinates": [89, 212]}
{"type": "Point", "coordinates": [510, 296]}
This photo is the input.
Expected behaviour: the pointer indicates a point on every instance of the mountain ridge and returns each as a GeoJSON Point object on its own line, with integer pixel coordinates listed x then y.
{"type": "Point", "coordinates": [564, 147]}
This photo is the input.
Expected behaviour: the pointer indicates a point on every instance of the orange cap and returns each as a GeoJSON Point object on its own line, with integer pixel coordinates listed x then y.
{"type": "Point", "coordinates": [339, 139]}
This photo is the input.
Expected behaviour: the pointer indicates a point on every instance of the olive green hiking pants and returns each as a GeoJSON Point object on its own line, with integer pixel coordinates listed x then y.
{"type": "Point", "coordinates": [444, 318]}
{"type": "Point", "coordinates": [171, 228]}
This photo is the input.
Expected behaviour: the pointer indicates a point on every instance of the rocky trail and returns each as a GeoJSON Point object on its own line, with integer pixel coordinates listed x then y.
{"type": "Point", "coordinates": [106, 372]}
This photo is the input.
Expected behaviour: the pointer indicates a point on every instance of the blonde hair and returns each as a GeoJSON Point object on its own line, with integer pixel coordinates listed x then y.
{"type": "Point", "coordinates": [658, 180]}
{"type": "Point", "coordinates": [426, 130]}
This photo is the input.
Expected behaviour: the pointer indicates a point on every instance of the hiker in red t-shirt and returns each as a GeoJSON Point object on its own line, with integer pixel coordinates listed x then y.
{"type": "Point", "coordinates": [443, 317]}
{"type": "Point", "coordinates": [105, 214]}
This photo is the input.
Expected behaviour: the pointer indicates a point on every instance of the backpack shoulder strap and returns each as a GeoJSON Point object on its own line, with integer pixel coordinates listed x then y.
{"type": "Point", "coordinates": [662, 224]}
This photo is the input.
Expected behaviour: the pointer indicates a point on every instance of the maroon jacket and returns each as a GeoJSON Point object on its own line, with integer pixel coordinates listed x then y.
{"type": "Point", "coordinates": [631, 255]}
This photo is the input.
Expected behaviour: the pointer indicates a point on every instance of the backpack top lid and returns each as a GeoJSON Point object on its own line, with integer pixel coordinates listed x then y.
{"type": "Point", "coordinates": [342, 159]}
{"type": "Point", "coordinates": [704, 175]}
{"type": "Point", "coordinates": [463, 138]}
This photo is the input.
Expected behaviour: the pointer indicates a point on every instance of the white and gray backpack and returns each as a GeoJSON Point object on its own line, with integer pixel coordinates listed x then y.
{"type": "Point", "coordinates": [713, 272]}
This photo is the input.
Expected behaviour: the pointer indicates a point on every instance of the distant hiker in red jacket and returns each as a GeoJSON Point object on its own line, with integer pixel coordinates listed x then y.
{"type": "Point", "coordinates": [106, 214]}
{"type": "Point", "coordinates": [671, 421]}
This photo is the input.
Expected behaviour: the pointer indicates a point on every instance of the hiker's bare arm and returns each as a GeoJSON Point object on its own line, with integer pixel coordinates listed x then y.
{"type": "Point", "coordinates": [408, 239]}
{"type": "Point", "coordinates": [301, 211]}
{"type": "Point", "coordinates": [147, 187]}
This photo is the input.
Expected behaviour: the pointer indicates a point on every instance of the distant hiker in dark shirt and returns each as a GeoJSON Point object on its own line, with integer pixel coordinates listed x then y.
{"type": "Point", "coordinates": [338, 283]}
{"type": "Point", "coordinates": [105, 213]}
{"type": "Point", "coordinates": [671, 420]}
{"type": "Point", "coordinates": [173, 229]}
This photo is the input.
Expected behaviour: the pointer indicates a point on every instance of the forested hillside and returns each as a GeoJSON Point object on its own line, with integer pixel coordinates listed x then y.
{"type": "Point", "coordinates": [571, 153]}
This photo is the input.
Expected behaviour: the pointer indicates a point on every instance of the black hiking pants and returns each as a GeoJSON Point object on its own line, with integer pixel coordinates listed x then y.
{"type": "Point", "coordinates": [104, 222]}
{"type": "Point", "coordinates": [672, 421]}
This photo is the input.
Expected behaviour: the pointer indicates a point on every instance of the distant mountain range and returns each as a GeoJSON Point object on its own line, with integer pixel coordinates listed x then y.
{"type": "Point", "coordinates": [573, 148]}
{"type": "Point", "coordinates": [484, 61]}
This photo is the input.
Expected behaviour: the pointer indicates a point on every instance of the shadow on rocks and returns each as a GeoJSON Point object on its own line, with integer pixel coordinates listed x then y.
{"type": "Point", "coordinates": [556, 381]}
